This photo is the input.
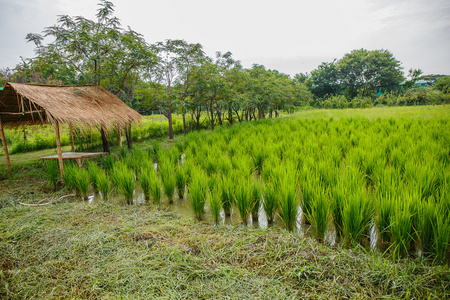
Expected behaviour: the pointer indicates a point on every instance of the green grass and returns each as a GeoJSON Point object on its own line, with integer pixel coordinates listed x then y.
{"type": "Point", "coordinates": [215, 204]}
{"type": "Point", "coordinates": [110, 251]}
{"type": "Point", "coordinates": [76, 249]}
{"type": "Point", "coordinates": [320, 215]}
{"type": "Point", "coordinates": [198, 190]}
{"type": "Point", "coordinates": [82, 182]}
{"type": "Point", "coordinates": [104, 185]}
{"type": "Point", "coordinates": [270, 202]}
{"type": "Point", "coordinates": [243, 199]}
{"type": "Point", "coordinates": [52, 173]}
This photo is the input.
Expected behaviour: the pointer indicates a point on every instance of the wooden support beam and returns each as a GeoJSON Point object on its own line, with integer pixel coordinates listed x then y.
{"type": "Point", "coordinates": [58, 148]}
{"type": "Point", "coordinates": [5, 147]}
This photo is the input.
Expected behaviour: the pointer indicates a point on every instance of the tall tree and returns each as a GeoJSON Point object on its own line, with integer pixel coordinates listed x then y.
{"type": "Point", "coordinates": [95, 52]}
{"type": "Point", "coordinates": [176, 59]}
{"type": "Point", "coordinates": [363, 71]}
{"type": "Point", "coordinates": [325, 80]}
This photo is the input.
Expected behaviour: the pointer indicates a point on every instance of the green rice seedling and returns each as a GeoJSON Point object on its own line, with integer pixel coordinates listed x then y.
{"type": "Point", "coordinates": [93, 170]}
{"type": "Point", "coordinates": [138, 156]}
{"type": "Point", "coordinates": [155, 189]}
{"type": "Point", "coordinates": [127, 184]}
{"type": "Point", "coordinates": [180, 180]}
{"type": "Point", "coordinates": [168, 178]}
{"type": "Point", "coordinates": [308, 194]}
{"type": "Point", "coordinates": [103, 184]}
{"type": "Point", "coordinates": [401, 230]}
{"type": "Point", "coordinates": [224, 165]}
{"type": "Point", "coordinates": [173, 155]}
{"type": "Point", "coordinates": [288, 202]}
{"type": "Point", "coordinates": [69, 177]}
{"type": "Point", "coordinates": [52, 173]}
{"type": "Point", "coordinates": [243, 199]}
{"type": "Point", "coordinates": [320, 214]}
{"type": "Point", "coordinates": [82, 182]}
{"type": "Point", "coordinates": [384, 212]}
{"type": "Point", "coordinates": [259, 156]}
{"type": "Point", "coordinates": [211, 165]}
{"type": "Point", "coordinates": [227, 198]}
{"type": "Point", "coordinates": [427, 221]}
{"type": "Point", "coordinates": [270, 201]}
{"type": "Point", "coordinates": [109, 162]}
{"type": "Point", "coordinates": [256, 199]}
{"type": "Point", "coordinates": [215, 203]}
{"type": "Point", "coordinates": [357, 215]}
{"type": "Point", "coordinates": [157, 150]}
{"type": "Point", "coordinates": [145, 180]}
{"type": "Point", "coordinates": [441, 234]}
{"type": "Point", "coordinates": [337, 199]}
{"type": "Point", "coordinates": [198, 190]}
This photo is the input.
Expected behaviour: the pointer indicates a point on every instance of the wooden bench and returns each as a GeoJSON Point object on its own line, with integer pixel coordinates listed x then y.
{"type": "Point", "coordinates": [78, 156]}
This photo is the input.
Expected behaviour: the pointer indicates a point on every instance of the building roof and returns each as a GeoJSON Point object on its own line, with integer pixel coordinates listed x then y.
{"type": "Point", "coordinates": [84, 106]}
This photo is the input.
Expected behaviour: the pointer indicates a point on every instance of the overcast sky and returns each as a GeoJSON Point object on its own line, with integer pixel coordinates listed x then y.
{"type": "Point", "coordinates": [291, 36]}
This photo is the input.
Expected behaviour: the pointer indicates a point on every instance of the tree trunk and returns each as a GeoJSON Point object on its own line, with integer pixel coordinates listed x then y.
{"type": "Point", "coordinates": [104, 140]}
{"type": "Point", "coordinates": [270, 113]}
{"type": "Point", "coordinates": [212, 114]}
{"type": "Point", "coordinates": [184, 124]}
{"type": "Point", "coordinates": [169, 117]}
{"type": "Point", "coordinates": [128, 136]}
{"type": "Point", "coordinates": [230, 116]}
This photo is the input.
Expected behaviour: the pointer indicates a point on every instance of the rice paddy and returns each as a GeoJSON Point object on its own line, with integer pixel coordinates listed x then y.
{"type": "Point", "coordinates": [348, 182]}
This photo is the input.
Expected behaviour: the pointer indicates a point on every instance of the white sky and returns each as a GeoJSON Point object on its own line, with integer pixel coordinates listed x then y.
{"type": "Point", "coordinates": [287, 35]}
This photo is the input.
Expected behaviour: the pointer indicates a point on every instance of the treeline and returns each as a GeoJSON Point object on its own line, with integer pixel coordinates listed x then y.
{"type": "Point", "coordinates": [177, 76]}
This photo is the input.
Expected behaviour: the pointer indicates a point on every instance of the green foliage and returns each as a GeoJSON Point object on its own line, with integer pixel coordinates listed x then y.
{"type": "Point", "coordinates": [243, 199]}
{"type": "Point", "coordinates": [227, 197]}
{"type": "Point", "coordinates": [82, 183]}
{"type": "Point", "coordinates": [215, 203]}
{"type": "Point", "coordinates": [198, 190]}
{"type": "Point", "coordinates": [320, 214]}
{"type": "Point", "coordinates": [356, 216]}
{"type": "Point", "coordinates": [180, 180]}
{"type": "Point", "coordinates": [124, 180]}
{"type": "Point", "coordinates": [362, 71]}
{"type": "Point", "coordinates": [155, 189]}
{"type": "Point", "coordinates": [256, 199]}
{"type": "Point", "coordinates": [52, 172]}
{"type": "Point", "coordinates": [270, 202]}
{"type": "Point", "coordinates": [168, 179]}
{"type": "Point", "coordinates": [94, 171]}
{"type": "Point", "coordinates": [69, 176]}
{"type": "Point", "coordinates": [288, 201]}
{"type": "Point", "coordinates": [400, 229]}
{"type": "Point", "coordinates": [103, 184]}
{"type": "Point", "coordinates": [145, 180]}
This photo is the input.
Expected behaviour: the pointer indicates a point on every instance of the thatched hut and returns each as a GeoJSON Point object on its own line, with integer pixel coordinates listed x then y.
{"type": "Point", "coordinates": [83, 106]}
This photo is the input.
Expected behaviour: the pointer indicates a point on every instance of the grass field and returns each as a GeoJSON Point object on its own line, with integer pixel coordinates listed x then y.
{"type": "Point", "coordinates": [109, 250]}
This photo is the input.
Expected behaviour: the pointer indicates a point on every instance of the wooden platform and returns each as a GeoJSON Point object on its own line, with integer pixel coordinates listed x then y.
{"type": "Point", "coordinates": [78, 156]}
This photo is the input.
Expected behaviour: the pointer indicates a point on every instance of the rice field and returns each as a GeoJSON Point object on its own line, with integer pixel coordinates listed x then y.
{"type": "Point", "coordinates": [377, 183]}
{"type": "Point", "coordinates": [368, 187]}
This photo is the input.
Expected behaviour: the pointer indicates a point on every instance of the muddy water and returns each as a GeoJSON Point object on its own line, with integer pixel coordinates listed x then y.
{"type": "Point", "coordinates": [182, 208]}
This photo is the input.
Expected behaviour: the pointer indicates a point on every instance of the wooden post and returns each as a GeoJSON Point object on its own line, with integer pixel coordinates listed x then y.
{"type": "Point", "coordinates": [58, 148]}
{"type": "Point", "coordinates": [119, 135]}
{"type": "Point", "coordinates": [71, 137]}
{"type": "Point", "coordinates": [5, 147]}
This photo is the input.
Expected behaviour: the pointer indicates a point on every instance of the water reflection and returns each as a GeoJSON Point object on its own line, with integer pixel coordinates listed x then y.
{"type": "Point", "coordinates": [181, 207]}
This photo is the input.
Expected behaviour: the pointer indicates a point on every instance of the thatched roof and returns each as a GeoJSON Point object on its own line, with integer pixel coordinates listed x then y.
{"type": "Point", "coordinates": [85, 106]}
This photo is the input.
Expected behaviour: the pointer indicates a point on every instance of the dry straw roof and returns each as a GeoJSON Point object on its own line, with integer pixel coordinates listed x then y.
{"type": "Point", "coordinates": [85, 106]}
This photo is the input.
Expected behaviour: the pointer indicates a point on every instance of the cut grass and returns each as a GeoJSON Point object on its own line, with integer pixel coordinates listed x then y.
{"type": "Point", "coordinates": [110, 251]}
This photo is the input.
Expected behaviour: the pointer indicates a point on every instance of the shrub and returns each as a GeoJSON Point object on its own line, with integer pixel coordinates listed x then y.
{"type": "Point", "coordinates": [198, 190]}
{"type": "Point", "coordinates": [52, 172]}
